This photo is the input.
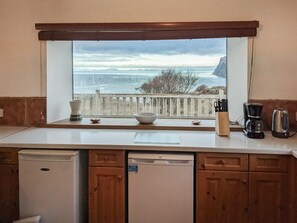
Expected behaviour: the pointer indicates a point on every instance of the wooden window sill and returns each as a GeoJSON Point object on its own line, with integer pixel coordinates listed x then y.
{"type": "Point", "coordinates": [131, 123]}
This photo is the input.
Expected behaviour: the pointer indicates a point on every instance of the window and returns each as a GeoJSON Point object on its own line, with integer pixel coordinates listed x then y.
{"type": "Point", "coordinates": [174, 78]}
{"type": "Point", "coordinates": [58, 62]}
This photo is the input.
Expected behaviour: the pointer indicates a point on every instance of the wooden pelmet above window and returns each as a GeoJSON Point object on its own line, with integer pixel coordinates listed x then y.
{"type": "Point", "coordinates": [146, 31]}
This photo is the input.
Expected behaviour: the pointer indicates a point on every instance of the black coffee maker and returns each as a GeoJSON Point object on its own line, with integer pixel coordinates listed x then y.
{"type": "Point", "coordinates": [253, 125]}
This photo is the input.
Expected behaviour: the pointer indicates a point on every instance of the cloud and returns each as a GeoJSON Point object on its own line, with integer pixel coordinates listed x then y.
{"type": "Point", "coordinates": [161, 47]}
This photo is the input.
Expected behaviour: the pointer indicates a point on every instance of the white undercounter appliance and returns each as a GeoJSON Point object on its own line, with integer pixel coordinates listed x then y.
{"type": "Point", "coordinates": [160, 188]}
{"type": "Point", "coordinates": [51, 184]}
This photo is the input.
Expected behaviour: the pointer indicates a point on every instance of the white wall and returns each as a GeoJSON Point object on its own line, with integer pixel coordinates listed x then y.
{"type": "Point", "coordinates": [237, 66]}
{"type": "Point", "coordinates": [276, 49]}
{"type": "Point", "coordinates": [59, 80]}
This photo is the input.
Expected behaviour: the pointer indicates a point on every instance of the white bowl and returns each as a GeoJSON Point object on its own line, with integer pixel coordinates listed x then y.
{"type": "Point", "coordinates": [146, 117]}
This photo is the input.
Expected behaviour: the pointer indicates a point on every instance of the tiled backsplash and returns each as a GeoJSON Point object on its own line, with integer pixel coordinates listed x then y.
{"type": "Point", "coordinates": [270, 105]}
{"type": "Point", "coordinates": [23, 111]}
{"type": "Point", "coordinates": [31, 111]}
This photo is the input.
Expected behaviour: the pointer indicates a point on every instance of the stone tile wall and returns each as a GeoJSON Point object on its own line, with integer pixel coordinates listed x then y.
{"type": "Point", "coordinates": [31, 111]}
{"type": "Point", "coordinates": [270, 105]}
{"type": "Point", "coordinates": [23, 111]}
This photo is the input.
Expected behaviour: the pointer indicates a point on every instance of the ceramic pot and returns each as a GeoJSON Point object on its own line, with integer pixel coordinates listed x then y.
{"type": "Point", "coordinates": [75, 110]}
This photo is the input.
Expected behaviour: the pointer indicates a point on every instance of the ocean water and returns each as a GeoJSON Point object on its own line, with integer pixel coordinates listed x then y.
{"type": "Point", "coordinates": [127, 81]}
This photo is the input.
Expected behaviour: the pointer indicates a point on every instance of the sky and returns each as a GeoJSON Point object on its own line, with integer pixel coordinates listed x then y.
{"type": "Point", "coordinates": [154, 54]}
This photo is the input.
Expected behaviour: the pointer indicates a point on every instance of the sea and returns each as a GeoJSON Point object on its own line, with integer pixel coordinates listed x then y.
{"type": "Point", "coordinates": [127, 81]}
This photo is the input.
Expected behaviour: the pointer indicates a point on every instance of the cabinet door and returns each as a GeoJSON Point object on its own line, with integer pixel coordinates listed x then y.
{"type": "Point", "coordinates": [222, 197]}
{"type": "Point", "coordinates": [268, 198]}
{"type": "Point", "coordinates": [9, 193]}
{"type": "Point", "coordinates": [8, 156]}
{"type": "Point", "coordinates": [106, 195]}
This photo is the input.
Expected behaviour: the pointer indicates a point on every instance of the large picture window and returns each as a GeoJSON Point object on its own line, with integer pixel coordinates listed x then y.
{"type": "Point", "coordinates": [174, 78]}
{"type": "Point", "coordinates": [174, 69]}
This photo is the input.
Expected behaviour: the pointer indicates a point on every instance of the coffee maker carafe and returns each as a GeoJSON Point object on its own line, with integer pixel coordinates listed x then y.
{"type": "Point", "coordinates": [253, 125]}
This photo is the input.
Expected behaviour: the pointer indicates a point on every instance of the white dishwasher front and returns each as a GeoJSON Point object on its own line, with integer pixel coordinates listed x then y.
{"type": "Point", "coordinates": [160, 188]}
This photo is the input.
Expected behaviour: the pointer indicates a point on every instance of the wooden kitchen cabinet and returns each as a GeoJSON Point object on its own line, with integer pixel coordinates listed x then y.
{"type": "Point", "coordinates": [294, 190]}
{"type": "Point", "coordinates": [222, 197]}
{"type": "Point", "coordinates": [269, 190]}
{"type": "Point", "coordinates": [222, 188]}
{"type": "Point", "coordinates": [268, 198]}
{"type": "Point", "coordinates": [243, 188]}
{"type": "Point", "coordinates": [9, 185]}
{"type": "Point", "coordinates": [106, 186]}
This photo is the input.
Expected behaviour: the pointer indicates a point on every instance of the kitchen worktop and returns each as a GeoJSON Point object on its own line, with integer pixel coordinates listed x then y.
{"type": "Point", "coordinates": [9, 130]}
{"type": "Point", "coordinates": [190, 141]}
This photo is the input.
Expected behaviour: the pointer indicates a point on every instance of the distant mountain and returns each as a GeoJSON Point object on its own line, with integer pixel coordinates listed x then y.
{"type": "Point", "coordinates": [221, 68]}
{"type": "Point", "coordinates": [111, 69]}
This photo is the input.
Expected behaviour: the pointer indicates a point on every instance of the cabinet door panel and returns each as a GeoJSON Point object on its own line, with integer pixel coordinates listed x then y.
{"type": "Point", "coordinates": [8, 156]}
{"type": "Point", "coordinates": [268, 198]}
{"type": "Point", "coordinates": [9, 193]}
{"type": "Point", "coordinates": [106, 195]}
{"type": "Point", "coordinates": [108, 158]}
{"type": "Point", "coordinates": [222, 161]}
{"type": "Point", "coordinates": [268, 163]}
{"type": "Point", "coordinates": [222, 197]}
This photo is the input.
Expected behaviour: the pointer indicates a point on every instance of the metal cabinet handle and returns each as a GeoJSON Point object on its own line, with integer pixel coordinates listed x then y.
{"type": "Point", "coordinates": [119, 177]}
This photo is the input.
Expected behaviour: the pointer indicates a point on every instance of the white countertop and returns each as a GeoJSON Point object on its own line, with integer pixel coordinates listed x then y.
{"type": "Point", "coordinates": [9, 130]}
{"type": "Point", "coordinates": [190, 141]}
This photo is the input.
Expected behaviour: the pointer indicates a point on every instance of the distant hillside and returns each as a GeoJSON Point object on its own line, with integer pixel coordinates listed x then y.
{"type": "Point", "coordinates": [220, 70]}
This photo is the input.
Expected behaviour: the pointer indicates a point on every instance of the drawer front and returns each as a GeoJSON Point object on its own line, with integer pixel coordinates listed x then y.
{"type": "Point", "coordinates": [8, 156]}
{"type": "Point", "coordinates": [220, 161]}
{"type": "Point", "coordinates": [268, 163]}
{"type": "Point", "coordinates": [107, 158]}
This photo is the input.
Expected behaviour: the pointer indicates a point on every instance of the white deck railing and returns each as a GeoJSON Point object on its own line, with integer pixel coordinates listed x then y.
{"type": "Point", "coordinates": [186, 105]}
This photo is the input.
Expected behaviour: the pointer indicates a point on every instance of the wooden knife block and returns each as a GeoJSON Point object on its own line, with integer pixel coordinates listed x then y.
{"type": "Point", "coordinates": [222, 124]}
